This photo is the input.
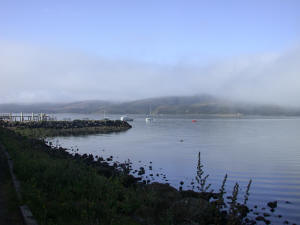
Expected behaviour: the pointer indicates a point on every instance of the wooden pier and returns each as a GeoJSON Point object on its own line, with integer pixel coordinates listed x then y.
{"type": "Point", "coordinates": [22, 117]}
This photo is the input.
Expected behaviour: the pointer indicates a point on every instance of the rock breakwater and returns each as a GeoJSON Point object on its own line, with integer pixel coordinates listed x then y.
{"type": "Point", "coordinates": [60, 128]}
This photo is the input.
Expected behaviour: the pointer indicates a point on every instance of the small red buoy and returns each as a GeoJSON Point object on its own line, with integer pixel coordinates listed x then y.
{"type": "Point", "coordinates": [194, 121]}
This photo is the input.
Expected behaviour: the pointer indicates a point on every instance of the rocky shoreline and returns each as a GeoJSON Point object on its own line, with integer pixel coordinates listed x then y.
{"type": "Point", "coordinates": [65, 187]}
{"type": "Point", "coordinates": [94, 190]}
{"type": "Point", "coordinates": [63, 128]}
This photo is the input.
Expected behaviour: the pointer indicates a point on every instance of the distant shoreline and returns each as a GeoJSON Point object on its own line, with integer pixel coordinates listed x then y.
{"type": "Point", "coordinates": [187, 105]}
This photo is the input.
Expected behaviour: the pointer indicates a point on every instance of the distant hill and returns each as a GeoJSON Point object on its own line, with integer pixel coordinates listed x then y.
{"type": "Point", "coordinates": [202, 104]}
{"type": "Point", "coordinates": [73, 107]}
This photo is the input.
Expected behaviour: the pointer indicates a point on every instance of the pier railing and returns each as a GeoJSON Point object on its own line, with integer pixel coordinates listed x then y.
{"type": "Point", "coordinates": [23, 117]}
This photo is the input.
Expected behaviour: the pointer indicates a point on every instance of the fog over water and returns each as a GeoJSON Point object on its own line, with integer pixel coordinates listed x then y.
{"type": "Point", "coordinates": [34, 73]}
{"type": "Point", "coordinates": [63, 51]}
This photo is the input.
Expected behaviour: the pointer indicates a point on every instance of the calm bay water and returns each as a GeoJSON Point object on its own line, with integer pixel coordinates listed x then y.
{"type": "Point", "coordinates": [266, 150]}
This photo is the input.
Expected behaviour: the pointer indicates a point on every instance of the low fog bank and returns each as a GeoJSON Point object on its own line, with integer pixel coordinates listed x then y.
{"type": "Point", "coordinates": [35, 74]}
{"type": "Point", "coordinates": [198, 104]}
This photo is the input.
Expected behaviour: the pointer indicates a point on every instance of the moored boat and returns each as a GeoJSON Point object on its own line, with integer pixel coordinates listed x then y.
{"type": "Point", "coordinates": [126, 118]}
{"type": "Point", "coordinates": [149, 119]}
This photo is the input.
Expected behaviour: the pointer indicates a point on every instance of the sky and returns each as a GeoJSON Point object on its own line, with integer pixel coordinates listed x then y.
{"type": "Point", "coordinates": [62, 51]}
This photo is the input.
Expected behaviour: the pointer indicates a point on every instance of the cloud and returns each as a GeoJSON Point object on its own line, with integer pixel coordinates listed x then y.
{"type": "Point", "coordinates": [268, 78]}
{"type": "Point", "coordinates": [37, 74]}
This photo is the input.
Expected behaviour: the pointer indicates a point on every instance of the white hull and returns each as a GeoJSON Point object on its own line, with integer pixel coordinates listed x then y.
{"type": "Point", "coordinates": [126, 118]}
{"type": "Point", "coordinates": [149, 119]}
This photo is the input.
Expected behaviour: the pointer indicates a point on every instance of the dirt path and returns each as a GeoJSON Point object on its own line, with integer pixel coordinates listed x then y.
{"type": "Point", "coordinates": [9, 211]}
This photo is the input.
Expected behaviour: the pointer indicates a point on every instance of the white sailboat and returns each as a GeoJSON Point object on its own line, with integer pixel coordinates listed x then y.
{"type": "Point", "coordinates": [126, 118]}
{"type": "Point", "coordinates": [104, 117]}
{"type": "Point", "coordinates": [149, 117]}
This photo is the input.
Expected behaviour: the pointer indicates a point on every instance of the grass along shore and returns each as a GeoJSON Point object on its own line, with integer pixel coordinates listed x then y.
{"type": "Point", "coordinates": [61, 188]}
{"type": "Point", "coordinates": [9, 210]}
